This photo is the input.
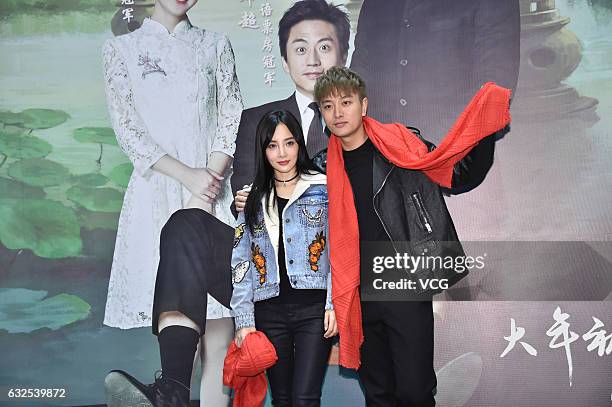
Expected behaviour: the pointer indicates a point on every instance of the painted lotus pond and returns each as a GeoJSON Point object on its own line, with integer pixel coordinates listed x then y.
{"type": "Point", "coordinates": [50, 224]}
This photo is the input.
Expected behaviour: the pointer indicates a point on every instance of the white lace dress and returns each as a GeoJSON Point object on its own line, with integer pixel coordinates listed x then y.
{"type": "Point", "coordinates": [167, 93]}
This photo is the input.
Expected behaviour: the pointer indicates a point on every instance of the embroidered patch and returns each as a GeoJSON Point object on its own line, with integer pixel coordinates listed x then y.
{"type": "Point", "coordinates": [149, 65]}
{"type": "Point", "coordinates": [238, 233]}
{"type": "Point", "coordinates": [260, 262]}
{"type": "Point", "coordinates": [259, 228]}
{"type": "Point", "coordinates": [313, 218]}
{"type": "Point", "coordinates": [240, 271]}
{"type": "Point", "coordinates": [315, 249]}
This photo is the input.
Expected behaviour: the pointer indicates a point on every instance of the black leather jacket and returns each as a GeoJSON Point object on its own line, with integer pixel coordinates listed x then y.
{"type": "Point", "coordinates": [412, 209]}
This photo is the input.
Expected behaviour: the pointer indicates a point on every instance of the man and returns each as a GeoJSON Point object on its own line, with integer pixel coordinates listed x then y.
{"type": "Point", "coordinates": [313, 36]}
{"type": "Point", "coordinates": [424, 60]}
{"type": "Point", "coordinates": [385, 187]}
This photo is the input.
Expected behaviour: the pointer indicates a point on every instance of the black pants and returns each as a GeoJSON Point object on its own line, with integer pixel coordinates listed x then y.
{"type": "Point", "coordinates": [195, 252]}
{"type": "Point", "coordinates": [397, 354]}
{"type": "Point", "coordinates": [296, 331]}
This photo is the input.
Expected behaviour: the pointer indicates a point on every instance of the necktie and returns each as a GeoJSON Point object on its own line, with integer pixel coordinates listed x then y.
{"type": "Point", "coordinates": [317, 139]}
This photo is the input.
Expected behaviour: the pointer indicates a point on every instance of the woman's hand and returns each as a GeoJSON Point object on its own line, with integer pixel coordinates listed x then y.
{"type": "Point", "coordinates": [203, 183]}
{"type": "Point", "coordinates": [329, 324]}
{"type": "Point", "coordinates": [242, 333]}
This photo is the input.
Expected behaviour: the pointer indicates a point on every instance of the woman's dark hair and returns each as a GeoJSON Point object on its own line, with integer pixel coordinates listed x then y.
{"type": "Point", "coordinates": [264, 173]}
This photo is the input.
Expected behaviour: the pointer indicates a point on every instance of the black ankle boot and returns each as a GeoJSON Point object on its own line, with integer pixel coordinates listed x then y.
{"type": "Point", "coordinates": [123, 390]}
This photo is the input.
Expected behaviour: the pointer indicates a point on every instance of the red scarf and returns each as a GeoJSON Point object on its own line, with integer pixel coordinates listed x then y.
{"type": "Point", "coordinates": [244, 369]}
{"type": "Point", "coordinates": [487, 113]}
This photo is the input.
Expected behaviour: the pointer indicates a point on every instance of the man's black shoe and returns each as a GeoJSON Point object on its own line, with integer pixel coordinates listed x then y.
{"type": "Point", "coordinates": [123, 390]}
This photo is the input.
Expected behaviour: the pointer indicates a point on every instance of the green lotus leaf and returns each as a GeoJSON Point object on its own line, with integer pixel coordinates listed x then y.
{"type": "Point", "coordinates": [99, 135]}
{"type": "Point", "coordinates": [93, 179]}
{"type": "Point", "coordinates": [96, 199]}
{"type": "Point", "coordinates": [43, 118]}
{"type": "Point", "coordinates": [38, 172]}
{"type": "Point", "coordinates": [97, 220]}
{"type": "Point", "coordinates": [48, 228]}
{"type": "Point", "coordinates": [25, 311]}
{"type": "Point", "coordinates": [7, 117]}
{"type": "Point", "coordinates": [10, 188]}
{"type": "Point", "coordinates": [11, 131]}
{"type": "Point", "coordinates": [121, 174]}
{"type": "Point", "coordinates": [17, 146]}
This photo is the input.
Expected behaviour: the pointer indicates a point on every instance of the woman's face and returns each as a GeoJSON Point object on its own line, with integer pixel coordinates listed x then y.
{"type": "Point", "coordinates": [282, 153]}
{"type": "Point", "coordinates": [177, 8]}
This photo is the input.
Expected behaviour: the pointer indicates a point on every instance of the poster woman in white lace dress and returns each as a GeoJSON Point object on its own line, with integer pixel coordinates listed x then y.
{"type": "Point", "coordinates": [175, 106]}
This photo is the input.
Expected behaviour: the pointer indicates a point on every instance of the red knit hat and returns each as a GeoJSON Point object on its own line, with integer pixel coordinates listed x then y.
{"type": "Point", "coordinates": [244, 369]}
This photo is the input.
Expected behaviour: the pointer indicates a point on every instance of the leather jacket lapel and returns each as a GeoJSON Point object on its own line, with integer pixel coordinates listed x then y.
{"type": "Point", "coordinates": [380, 169]}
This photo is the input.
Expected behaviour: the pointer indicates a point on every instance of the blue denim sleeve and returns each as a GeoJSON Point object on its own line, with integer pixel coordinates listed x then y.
{"type": "Point", "coordinates": [242, 277]}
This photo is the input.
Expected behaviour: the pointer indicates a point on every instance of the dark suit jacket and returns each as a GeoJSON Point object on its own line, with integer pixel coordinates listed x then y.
{"type": "Point", "coordinates": [244, 157]}
{"type": "Point", "coordinates": [423, 60]}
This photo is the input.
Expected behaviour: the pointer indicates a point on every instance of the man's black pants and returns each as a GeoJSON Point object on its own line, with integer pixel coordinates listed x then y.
{"type": "Point", "coordinates": [397, 354]}
{"type": "Point", "coordinates": [296, 331]}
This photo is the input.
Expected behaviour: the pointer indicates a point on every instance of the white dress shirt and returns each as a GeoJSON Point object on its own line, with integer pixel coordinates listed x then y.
{"type": "Point", "coordinates": [306, 113]}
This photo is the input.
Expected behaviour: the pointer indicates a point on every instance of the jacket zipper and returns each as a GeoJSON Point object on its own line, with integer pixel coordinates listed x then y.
{"type": "Point", "coordinates": [378, 215]}
{"type": "Point", "coordinates": [420, 209]}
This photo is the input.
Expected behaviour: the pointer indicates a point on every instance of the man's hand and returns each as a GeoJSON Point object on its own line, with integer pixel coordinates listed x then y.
{"type": "Point", "coordinates": [241, 198]}
{"type": "Point", "coordinates": [329, 324]}
{"type": "Point", "coordinates": [242, 333]}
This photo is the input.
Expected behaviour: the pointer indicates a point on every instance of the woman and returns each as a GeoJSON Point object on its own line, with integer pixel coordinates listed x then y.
{"type": "Point", "coordinates": [280, 262]}
{"type": "Point", "coordinates": [175, 105]}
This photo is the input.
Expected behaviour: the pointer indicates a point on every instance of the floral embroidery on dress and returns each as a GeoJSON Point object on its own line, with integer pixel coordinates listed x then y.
{"type": "Point", "coordinates": [150, 65]}
{"type": "Point", "coordinates": [132, 134]}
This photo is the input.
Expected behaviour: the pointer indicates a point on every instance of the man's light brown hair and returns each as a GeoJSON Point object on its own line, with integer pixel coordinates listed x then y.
{"type": "Point", "coordinates": [339, 81]}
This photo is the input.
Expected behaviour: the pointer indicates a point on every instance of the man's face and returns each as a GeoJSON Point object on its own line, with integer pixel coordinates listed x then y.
{"type": "Point", "coordinates": [343, 112]}
{"type": "Point", "coordinates": [312, 48]}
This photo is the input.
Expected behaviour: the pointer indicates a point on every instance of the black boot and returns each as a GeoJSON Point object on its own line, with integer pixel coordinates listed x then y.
{"type": "Point", "coordinates": [123, 390]}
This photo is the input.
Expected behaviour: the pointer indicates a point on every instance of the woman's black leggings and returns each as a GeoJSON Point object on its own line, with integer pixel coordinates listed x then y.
{"type": "Point", "coordinates": [296, 331]}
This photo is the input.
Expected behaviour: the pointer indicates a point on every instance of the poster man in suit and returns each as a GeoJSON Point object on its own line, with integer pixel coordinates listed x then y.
{"type": "Point", "coordinates": [424, 60]}
{"type": "Point", "coordinates": [313, 36]}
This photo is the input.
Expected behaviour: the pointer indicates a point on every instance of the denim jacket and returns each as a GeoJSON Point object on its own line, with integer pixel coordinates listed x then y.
{"type": "Point", "coordinates": [255, 273]}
